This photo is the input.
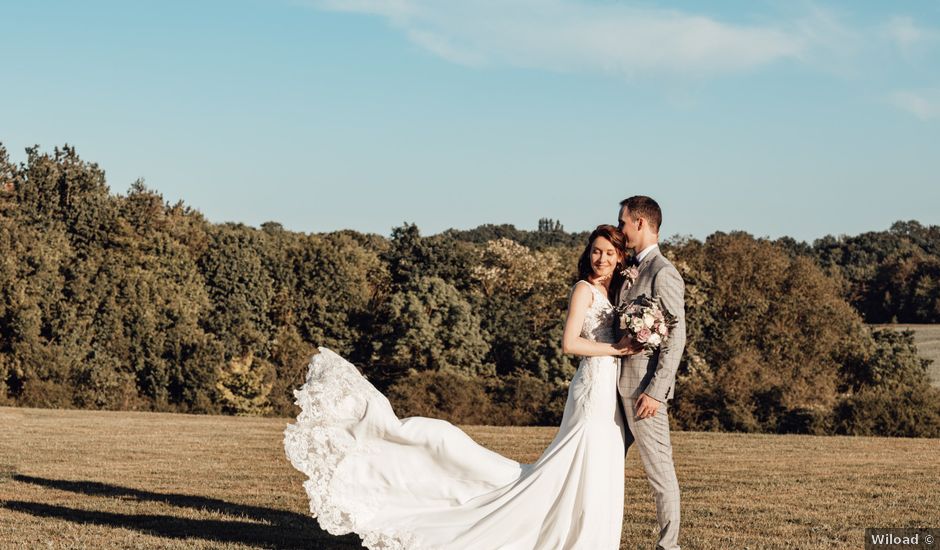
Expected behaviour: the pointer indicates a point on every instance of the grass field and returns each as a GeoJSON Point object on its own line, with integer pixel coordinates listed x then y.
{"type": "Point", "coordinates": [927, 338]}
{"type": "Point", "coordinates": [91, 479]}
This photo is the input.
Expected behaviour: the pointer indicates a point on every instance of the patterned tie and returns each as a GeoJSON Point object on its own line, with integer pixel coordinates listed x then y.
{"type": "Point", "coordinates": [632, 262]}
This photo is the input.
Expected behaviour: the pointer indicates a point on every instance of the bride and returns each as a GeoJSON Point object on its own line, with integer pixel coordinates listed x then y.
{"type": "Point", "coordinates": [422, 483]}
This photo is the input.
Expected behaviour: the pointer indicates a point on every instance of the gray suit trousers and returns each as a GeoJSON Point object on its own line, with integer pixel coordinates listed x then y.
{"type": "Point", "coordinates": [650, 436]}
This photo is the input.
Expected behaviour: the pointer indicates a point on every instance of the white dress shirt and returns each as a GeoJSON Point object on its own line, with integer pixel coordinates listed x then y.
{"type": "Point", "coordinates": [645, 251]}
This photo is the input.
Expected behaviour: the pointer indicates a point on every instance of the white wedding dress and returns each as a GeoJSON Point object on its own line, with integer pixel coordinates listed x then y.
{"type": "Point", "coordinates": [421, 483]}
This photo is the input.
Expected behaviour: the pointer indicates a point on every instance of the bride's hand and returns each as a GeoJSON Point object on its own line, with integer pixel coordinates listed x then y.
{"type": "Point", "coordinates": [626, 346]}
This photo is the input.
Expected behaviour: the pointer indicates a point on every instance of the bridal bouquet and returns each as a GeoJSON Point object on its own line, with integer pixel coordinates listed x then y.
{"type": "Point", "coordinates": [646, 321]}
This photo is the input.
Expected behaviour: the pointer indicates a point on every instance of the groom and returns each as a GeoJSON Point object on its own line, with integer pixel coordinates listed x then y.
{"type": "Point", "coordinates": [647, 382]}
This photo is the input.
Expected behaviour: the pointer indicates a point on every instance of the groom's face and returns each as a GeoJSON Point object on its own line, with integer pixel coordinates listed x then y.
{"type": "Point", "coordinates": [629, 228]}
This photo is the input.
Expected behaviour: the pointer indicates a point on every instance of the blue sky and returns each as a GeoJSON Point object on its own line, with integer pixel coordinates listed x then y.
{"type": "Point", "coordinates": [777, 118]}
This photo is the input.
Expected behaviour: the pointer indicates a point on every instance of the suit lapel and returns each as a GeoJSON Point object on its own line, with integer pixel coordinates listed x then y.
{"type": "Point", "coordinates": [624, 291]}
{"type": "Point", "coordinates": [641, 268]}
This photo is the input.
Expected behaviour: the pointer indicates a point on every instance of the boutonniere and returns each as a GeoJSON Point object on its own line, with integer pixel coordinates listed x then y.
{"type": "Point", "coordinates": [630, 274]}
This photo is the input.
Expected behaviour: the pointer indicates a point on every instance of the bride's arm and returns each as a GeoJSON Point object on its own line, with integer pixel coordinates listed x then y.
{"type": "Point", "coordinates": [572, 342]}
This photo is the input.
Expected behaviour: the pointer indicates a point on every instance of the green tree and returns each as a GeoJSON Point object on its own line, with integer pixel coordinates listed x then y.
{"type": "Point", "coordinates": [880, 267]}
{"type": "Point", "coordinates": [339, 281]}
{"type": "Point", "coordinates": [447, 396]}
{"type": "Point", "coordinates": [764, 346]}
{"type": "Point", "coordinates": [239, 290]}
{"type": "Point", "coordinates": [244, 385]}
{"type": "Point", "coordinates": [906, 289]}
{"type": "Point", "coordinates": [429, 326]}
{"type": "Point", "coordinates": [523, 298]}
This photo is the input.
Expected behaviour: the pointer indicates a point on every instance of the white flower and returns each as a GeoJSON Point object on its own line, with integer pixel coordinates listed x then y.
{"type": "Point", "coordinates": [648, 319]}
{"type": "Point", "coordinates": [655, 339]}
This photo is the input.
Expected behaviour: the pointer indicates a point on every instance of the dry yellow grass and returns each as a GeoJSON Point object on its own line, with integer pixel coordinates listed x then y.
{"type": "Point", "coordinates": [89, 479]}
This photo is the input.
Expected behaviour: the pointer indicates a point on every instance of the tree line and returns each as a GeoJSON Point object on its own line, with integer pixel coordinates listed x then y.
{"type": "Point", "coordinates": [128, 302]}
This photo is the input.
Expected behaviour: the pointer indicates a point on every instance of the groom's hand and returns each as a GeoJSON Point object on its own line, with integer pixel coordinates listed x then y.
{"type": "Point", "coordinates": [646, 406]}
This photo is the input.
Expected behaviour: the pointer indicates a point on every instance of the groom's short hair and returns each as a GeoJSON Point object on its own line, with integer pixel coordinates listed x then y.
{"type": "Point", "coordinates": [640, 206]}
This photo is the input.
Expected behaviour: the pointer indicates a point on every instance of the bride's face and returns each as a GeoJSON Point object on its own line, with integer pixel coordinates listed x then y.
{"type": "Point", "coordinates": [604, 257]}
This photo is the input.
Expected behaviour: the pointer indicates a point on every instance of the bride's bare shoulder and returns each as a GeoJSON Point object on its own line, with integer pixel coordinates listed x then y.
{"type": "Point", "coordinates": [581, 293]}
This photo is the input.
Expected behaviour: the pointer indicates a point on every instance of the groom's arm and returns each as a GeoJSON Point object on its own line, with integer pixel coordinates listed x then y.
{"type": "Point", "coordinates": [670, 289]}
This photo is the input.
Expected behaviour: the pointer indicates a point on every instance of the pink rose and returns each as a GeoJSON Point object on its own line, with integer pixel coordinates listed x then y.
{"type": "Point", "coordinates": [643, 336]}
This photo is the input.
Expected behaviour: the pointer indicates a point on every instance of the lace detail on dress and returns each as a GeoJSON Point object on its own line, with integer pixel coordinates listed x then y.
{"type": "Point", "coordinates": [334, 397]}
{"type": "Point", "coordinates": [599, 327]}
{"type": "Point", "coordinates": [599, 320]}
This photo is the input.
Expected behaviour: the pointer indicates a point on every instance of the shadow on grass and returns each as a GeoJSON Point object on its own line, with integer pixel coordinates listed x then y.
{"type": "Point", "coordinates": [259, 526]}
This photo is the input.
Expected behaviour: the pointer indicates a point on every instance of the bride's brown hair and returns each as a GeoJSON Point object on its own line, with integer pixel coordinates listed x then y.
{"type": "Point", "coordinates": [616, 238]}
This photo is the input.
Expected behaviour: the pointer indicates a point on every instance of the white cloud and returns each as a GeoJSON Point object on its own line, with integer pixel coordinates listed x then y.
{"type": "Point", "coordinates": [443, 48]}
{"type": "Point", "coordinates": [924, 104]}
{"type": "Point", "coordinates": [566, 35]}
{"type": "Point", "coordinates": [907, 35]}
{"type": "Point", "coordinates": [394, 9]}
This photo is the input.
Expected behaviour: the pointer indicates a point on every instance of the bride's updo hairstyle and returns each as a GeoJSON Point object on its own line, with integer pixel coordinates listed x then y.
{"type": "Point", "coordinates": [616, 238]}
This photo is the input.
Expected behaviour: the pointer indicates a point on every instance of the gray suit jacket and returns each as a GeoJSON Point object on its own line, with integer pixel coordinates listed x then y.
{"type": "Point", "coordinates": [655, 375]}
